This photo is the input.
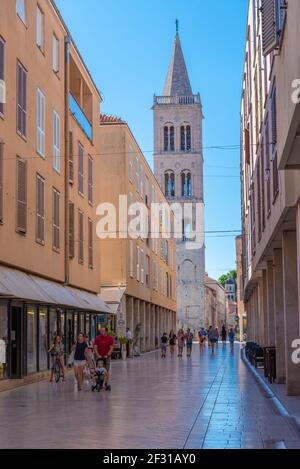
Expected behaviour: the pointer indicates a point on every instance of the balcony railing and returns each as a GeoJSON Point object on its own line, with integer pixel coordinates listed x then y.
{"type": "Point", "coordinates": [80, 117]}
{"type": "Point", "coordinates": [194, 99]}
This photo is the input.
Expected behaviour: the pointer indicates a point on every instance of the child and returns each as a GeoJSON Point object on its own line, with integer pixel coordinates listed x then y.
{"type": "Point", "coordinates": [101, 376]}
{"type": "Point", "coordinates": [164, 341]}
{"type": "Point", "coordinates": [231, 338]}
{"type": "Point", "coordinates": [189, 343]}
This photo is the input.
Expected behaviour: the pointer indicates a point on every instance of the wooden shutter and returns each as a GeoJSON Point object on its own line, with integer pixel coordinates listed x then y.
{"type": "Point", "coordinates": [21, 99]}
{"type": "Point", "coordinates": [2, 86]}
{"type": "Point", "coordinates": [90, 180]}
{"type": "Point", "coordinates": [40, 122]}
{"type": "Point", "coordinates": [71, 158]}
{"type": "Point", "coordinates": [80, 237]}
{"type": "Point", "coordinates": [40, 209]}
{"type": "Point", "coordinates": [274, 117]}
{"type": "Point", "coordinates": [1, 179]}
{"type": "Point", "coordinates": [90, 243]}
{"type": "Point", "coordinates": [247, 145]}
{"type": "Point", "coordinates": [80, 168]}
{"type": "Point", "coordinates": [270, 25]}
{"type": "Point", "coordinates": [21, 222]}
{"type": "Point", "coordinates": [56, 141]}
{"type": "Point", "coordinates": [275, 176]}
{"type": "Point", "coordinates": [55, 222]}
{"type": "Point", "coordinates": [71, 231]}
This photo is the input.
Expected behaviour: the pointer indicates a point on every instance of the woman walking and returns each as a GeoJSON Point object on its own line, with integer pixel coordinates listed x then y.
{"type": "Point", "coordinates": [172, 342]}
{"type": "Point", "coordinates": [181, 342]}
{"type": "Point", "coordinates": [224, 334]}
{"type": "Point", "coordinates": [80, 359]}
{"type": "Point", "coordinates": [212, 338]}
{"type": "Point", "coordinates": [56, 352]}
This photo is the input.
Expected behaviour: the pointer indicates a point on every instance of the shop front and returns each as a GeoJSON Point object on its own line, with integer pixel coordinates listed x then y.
{"type": "Point", "coordinates": [28, 325]}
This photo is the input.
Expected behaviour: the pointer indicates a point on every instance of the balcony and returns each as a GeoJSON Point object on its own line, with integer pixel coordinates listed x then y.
{"type": "Point", "coordinates": [80, 117]}
{"type": "Point", "coordinates": [181, 100]}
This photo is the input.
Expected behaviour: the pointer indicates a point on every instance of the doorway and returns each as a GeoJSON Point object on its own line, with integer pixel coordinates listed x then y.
{"type": "Point", "coordinates": [15, 342]}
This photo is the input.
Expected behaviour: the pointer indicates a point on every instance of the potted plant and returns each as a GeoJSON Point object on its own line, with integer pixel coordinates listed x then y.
{"type": "Point", "coordinates": [123, 342]}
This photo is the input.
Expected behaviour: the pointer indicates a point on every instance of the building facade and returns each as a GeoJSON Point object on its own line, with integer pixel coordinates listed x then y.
{"type": "Point", "coordinates": [49, 257]}
{"type": "Point", "coordinates": [270, 182]}
{"type": "Point", "coordinates": [138, 272]}
{"type": "Point", "coordinates": [178, 167]}
{"type": "Point", "coordinates": [239, 287]}
{"type": "Point", "coordinates": [216, 305]}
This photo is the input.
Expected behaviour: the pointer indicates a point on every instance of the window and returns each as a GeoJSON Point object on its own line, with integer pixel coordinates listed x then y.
{"type": "Point", "coordinates": [40, 122]}
{"type": "Point", "coordinates": [80, 168]}
{"type": "Point", "coordinates": [147, 271]}
{"type": "Point", "coordinates": [90, 180]}
{"type": "Point", "coordinates": [2, 83]}
{"type": "Point", "coordinates": [169, 138]}
{"type": "Point", "coordinates": [90, 243]}
{"type": "Point", "coordinates": [142, 264]}
{"type": "Point", "coordinates": [275, 177]}
{"type": "Point", "coordinates": [55, 54]}
{"type": "Point", "coordinates": [186, 184]}
{"type": "Point", "coordinates": [267, 166]}
{"type": "Point", "coordinates": [56, 141]}
{"type": "Point", "coordinates": [21, 219]}
{"type": "Point", "coordinates": [21, 10]}
{"type": "Point", "coordinates": [21, 99]}
{"type": "Point", "coordinates": [71, 158]}
{"type": "Point", "coordinates": [137, 174]}
{"type": "Point", "coordinates": [131, 258]}
{"type": "Point", "coordinates": [142, 181]}
{"type": "Point", "coordinates": [43, 338]}
{"type": "Point", "coordinates": [155, 276]}
{"type": "Point", "coordinates": [71, 231]}
{"type": "Point", "coordinates": [40, 209]}
{"type": "Point", "coordinates": [31, 340]}
{"type": "Point", "coordinates": [80, 237]}
{"type": "Point", "coordinates": [1, 179]}
{"type": "Point", "coordinates": [182, 138]}
{"type": "Point", "coordinates": [39, 28]}
{"type": "Point", "coordinates": [147, 194]}
{"type": "Point", "coordinates": [169, 184]}
{"type": "Point", "coordinates": [172, 139]}
{"type": "Point", "coordinates": [55, 220]}
{"type": "Point", "coordinates": [188, 138]}
{"type": "Point", "coordinates": [262, 173]}
{"type": "Point", "coordinates": [273, 18]}
{"type": "Point", "coordinates": [138, 263]}
{"type": "Point", "coordinates": [130, 163]}
{"type": "Point", "coordinates": [185, 138]}
{"type": "Point", "coordinates": [166, 138]}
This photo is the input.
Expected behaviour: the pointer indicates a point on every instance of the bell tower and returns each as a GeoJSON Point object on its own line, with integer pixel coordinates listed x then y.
{"type": "Point", "coordinates": [178, 167]}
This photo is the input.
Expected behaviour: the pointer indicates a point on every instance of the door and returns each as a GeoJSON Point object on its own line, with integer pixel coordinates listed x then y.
{"type": "Point", "coordinates": [15, 342]}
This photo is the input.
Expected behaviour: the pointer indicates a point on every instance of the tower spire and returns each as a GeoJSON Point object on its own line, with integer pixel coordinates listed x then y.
{"type": "Point", "coordinates": [177, 81]}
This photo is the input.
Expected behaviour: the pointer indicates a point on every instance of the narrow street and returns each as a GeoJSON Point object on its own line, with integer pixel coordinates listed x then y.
{"type": "Point", "coordinates": [205, 402]}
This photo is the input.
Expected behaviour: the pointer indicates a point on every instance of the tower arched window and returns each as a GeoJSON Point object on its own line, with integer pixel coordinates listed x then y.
{"type": "Point", "coordinates": [185, 138]}
{"type": "Point", "coordinates": [186, 184]}
{"type": "Point", "coordinates": [169, 138]}
{"type": "Point", "coordinates": [169, 184]}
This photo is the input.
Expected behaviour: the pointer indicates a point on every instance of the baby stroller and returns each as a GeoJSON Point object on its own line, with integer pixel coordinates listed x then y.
{"type": "Point", "coordinates": [99, 378]}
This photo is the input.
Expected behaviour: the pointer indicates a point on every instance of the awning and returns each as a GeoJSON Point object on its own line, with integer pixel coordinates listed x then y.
{"type": "Point", "coordinates": [112, 296]}
{"type": "Point", "coordinates": [19, 285]}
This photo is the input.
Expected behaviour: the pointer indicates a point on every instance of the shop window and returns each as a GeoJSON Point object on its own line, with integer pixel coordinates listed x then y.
{"type": "Point", "coordinates": [31, 340]}
{"type": "Point", "coordinates": [52, 325]}
{"type": "Point", "coordinates": [3, 341]}
{"type": "Point", "coordinates": [43, 339]}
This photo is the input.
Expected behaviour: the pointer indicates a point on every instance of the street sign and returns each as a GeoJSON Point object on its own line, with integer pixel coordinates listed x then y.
{"type": "Point", "coordinates": [121, 323]}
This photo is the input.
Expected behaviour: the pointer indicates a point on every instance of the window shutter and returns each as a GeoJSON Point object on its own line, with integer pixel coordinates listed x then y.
{"type": "Point", "coordinates": [1, 179]}
{"type": "Point", "coordinates": [71, 158]}
{"type": "Point", "coordinates": [273, 15]}
{"type": "Point", "coordinates": [39, 28]}
{"type": "Point", "coordinates": [71, 231]}
{"type": "Point", "coordinates": [56, 226]}
{"type": "Point", "coordinates": [2, 85]}
{"type": "Point", "coordinates": [40, 212]}
{"type": "Point", "coordinates": [21, 99]}
{"type": "Point", "coordinates": [274, 117]}
{"type": "Point", "coordinates": [21, 195]}
{"type": "Point", "coordinates": [80, 237]}
{"type": "Point", "coordinates": [90, 180]}
{"type": "Point", "coordinates": [138, 263]}
{"type": "Point", "coordinates": [80, 168]}
{"type": "Point", "coordinates": [55, 54]}
{"type": "Point", "coordinates": [40, 123]}
{"type": "Point", "coordinates": [56, 141]}
{"type": "Point", "coordinates": [90, 234]}
{"type": "Point", "coordinates": [247, 145]}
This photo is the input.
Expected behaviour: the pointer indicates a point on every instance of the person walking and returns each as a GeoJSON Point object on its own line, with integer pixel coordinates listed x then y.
{"type": "Point", "coordinates": [163, 345]}
{"type": "Point", "coordinates": [172, 342]}
{"type": "Point", "coordinates": [231, 337]}
{"type": "Point", "coordinates": [189, 343]}
{"type": "Point", "coordinates": [217, 336]}
{"type": "Point", "coordinates": [103, 348]}
{"type": "Point", "coordinates": [212, 338]}
{"type": "Point", "coordinates": [181, 342]}
{"type": "Point", "coordinates": [208, 335]}
{"type": "Point", "coordinates": [129, 342]}
{"type": "Point", "coordinates": [80, 359]}
{"type": "Point", "coordinates": [224, 334]}
{"type": "Point", "coordinates": [201, 335]}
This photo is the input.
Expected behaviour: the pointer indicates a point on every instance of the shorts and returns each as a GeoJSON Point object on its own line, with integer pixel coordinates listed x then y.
{"type": "Point", "coordinates": [106, 362]}
{"type": "Point", "coordinates": [189, 345]}
{"type": "Point", "coordinates": [213, 341]}
{"type": "Point", "coordinates": [79, 363]}
{"type": "Point", "coordinates": [163, 347]}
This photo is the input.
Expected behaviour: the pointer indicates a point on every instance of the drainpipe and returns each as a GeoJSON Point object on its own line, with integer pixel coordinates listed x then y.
{"type": "Point", "coordinates": [67, 148]}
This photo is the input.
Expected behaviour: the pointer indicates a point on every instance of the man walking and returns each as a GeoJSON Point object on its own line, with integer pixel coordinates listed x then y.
{"type": "Point", "coordinates": [103, 349]}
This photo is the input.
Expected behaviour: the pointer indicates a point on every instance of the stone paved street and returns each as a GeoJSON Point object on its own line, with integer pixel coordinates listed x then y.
{"type": "Point", "coordinates": [206, 402]}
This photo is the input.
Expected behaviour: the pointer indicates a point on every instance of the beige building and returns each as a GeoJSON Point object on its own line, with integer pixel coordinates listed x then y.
{"type": "Point", "coordinates": [239, 287]}
{"type": "Point", "coordinates": [216, 305]}
{"type": "Point", "coordinates": [270, 182]}
{"type": "Point", "coordinates": [49, 257]}
{"type": "Point", "coordinates": [138, 276]}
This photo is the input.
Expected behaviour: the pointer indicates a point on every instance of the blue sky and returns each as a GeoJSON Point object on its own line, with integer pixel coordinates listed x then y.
{"type": "Point", "coordinates": [126, 45]}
